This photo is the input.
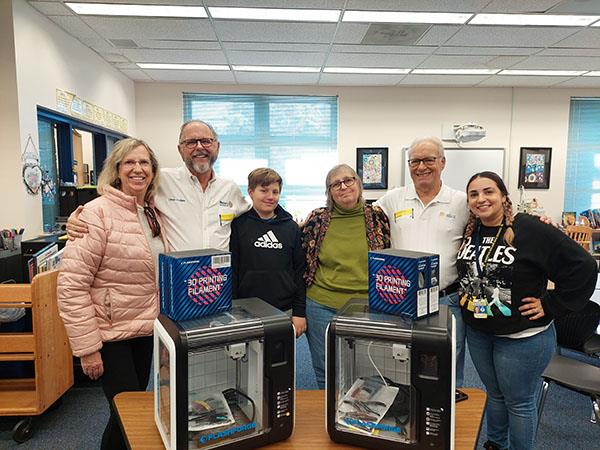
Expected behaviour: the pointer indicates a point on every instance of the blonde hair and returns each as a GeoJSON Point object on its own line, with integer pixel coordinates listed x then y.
{"type": "Point", "coordinates": [263, 176]}
{"type": "Point", "coordinates": [110, 170]}
{"type": "Point", "coordinates": [334, 170]}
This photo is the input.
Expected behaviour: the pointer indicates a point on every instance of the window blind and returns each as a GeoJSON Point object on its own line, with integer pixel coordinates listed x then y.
{"type": "Point", "coordinates": [582, 185]}
{"type": "Point", "coordinates": [294, 135]}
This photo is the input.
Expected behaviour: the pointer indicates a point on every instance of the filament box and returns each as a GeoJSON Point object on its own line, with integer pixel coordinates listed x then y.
{"type": "Point", "coordinates": [403, 282]}
{"type": "Point", "coordinates": [195, 283]}
{"type": "Point", "coordinates": [225, 381]}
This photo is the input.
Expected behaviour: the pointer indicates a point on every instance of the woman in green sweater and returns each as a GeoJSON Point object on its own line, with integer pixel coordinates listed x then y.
{"type": "Point", "coordinates": [337, 239]}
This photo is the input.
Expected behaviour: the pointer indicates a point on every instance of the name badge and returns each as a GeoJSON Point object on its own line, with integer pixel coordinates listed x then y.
{"type": "Point", "coordinates": [225, 218]}
{"type": "Point", "coordinates": [480, 308]}
{"type": "Point", "coordinates": [404, 212]}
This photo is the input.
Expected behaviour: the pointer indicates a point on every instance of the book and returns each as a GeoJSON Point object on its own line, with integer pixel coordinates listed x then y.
{"type": "Point", "coordinates": [39, 261]}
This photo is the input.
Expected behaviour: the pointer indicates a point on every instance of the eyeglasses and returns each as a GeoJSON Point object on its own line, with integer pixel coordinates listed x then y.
{"type": "Point", "coordinates": [429, 162]}
{"type": "Point", "coordinates": [348, 181]}
{"type": "Point", "coordinates": [131, 163]}
{"type": "Point", "coordinates": [204, 142]}
{"type": "Point", "coordinates": [152, 220]}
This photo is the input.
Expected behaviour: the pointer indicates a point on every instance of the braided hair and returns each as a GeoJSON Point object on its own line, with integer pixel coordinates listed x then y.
{"type": "Point", "coordinates": [473, 222]}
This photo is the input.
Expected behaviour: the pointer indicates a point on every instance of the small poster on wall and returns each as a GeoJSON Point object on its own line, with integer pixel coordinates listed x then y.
{"type": "Point", "coordinates": [372, 167]}
{"type": "Point", "coordinates": [534, 167]}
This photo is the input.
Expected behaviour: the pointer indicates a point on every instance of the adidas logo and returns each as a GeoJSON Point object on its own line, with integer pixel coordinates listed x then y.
{"type": "Point", "coordinates": [268, 240]}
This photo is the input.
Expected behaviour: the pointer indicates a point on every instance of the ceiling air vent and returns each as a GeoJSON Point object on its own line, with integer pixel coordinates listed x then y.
{"type": "Point", "coordinates": [394, 34]}
{"type": "Point", "coordinates": [123, 43]}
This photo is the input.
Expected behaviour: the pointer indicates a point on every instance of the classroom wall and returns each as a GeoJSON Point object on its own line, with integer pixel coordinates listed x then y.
{"type": "Point", "coordinates": [46, 59]}
{"type": "Point", "coordinates": [393, 117]}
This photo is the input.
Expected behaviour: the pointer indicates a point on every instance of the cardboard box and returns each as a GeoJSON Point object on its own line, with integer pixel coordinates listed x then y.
{"type": "Point", "coordinates": [195, 283]}
{"type": "Point", "coordinates": [404, 283]}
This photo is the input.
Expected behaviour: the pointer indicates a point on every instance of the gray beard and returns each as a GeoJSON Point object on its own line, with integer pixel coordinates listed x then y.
{"type": "Point", "coordinates": [197, 168]}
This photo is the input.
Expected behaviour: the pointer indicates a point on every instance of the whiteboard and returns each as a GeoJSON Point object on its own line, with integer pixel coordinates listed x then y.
{"type": "Point", "coordinates": [462, 163]}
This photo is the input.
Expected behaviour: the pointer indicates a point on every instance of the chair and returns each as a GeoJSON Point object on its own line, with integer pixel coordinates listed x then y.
{"type": "Point", "coordinates": [580, 234]}
{"type": "Point", "coordinates": [576, 331]}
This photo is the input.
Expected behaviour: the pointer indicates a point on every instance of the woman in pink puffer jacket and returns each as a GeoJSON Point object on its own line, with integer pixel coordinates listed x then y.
{"type": "Point", "coordinates": [107, 290]}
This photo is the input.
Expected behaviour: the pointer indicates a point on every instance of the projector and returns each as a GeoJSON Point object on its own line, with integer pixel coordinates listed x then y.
{"type": "Point", "coordinates": [468, 132]}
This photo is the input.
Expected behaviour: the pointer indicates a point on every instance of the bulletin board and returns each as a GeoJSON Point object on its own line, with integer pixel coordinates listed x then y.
{"type": "Point", "coordinates": [462, 163]}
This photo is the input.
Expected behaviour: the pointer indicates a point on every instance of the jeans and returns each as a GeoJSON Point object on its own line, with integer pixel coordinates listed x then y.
{"type": "Point", "coordinates": [317, 319]}
{"type": "Point", "coordinates": [511, 371]}
{"type": "Point", "coordinates": [452, 300]}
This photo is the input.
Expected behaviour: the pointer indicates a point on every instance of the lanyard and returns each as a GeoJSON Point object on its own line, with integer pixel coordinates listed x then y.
{"type": "Point", "coordinates": [480, 269]}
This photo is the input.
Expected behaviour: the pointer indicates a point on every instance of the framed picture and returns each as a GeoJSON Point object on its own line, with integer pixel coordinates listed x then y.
{"type": "Point", "coordinates": [372, 167]}
{"type": "Point", "coordinates": [534, 167]}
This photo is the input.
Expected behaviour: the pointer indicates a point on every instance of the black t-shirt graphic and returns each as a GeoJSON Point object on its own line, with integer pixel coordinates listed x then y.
{"type": "Point", "coordinates": [491, 277]}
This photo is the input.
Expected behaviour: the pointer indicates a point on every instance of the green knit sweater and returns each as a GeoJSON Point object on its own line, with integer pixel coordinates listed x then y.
{"type": "Point", "coordinates": [342, 273]}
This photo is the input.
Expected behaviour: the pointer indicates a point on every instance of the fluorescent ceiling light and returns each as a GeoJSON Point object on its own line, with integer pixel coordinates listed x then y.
{"type": "Point", "coordinates": [552, 20]}
{"type": "Point", "coordinates": [454, 71]}
{"type": "Point", "coordinates": [295, 15]}
{"type": "Point", "coordinates": [368, 70]}
{"type": "Point", "coordinates": [106, 9]}
{"type": "Point", "coordinates": [182, 66]}
{"type": "Point", "coordinates": [549, 73]}
{"type": "Point", "coordinates": [276, 69]}
{"type": "Point", "coordinates": [592, 73]}
{"type": "Point", "coordinates": [405, 17]}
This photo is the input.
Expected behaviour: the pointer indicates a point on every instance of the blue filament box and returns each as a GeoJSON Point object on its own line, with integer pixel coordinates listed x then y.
{"type": "Point", "coordinates": [195, 283]}
{"type": "Point", "coordinates": [404, 283]}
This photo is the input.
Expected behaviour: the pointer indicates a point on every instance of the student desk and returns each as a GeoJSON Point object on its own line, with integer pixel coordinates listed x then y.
{"type": "Point", "coordinates": [136, 414]}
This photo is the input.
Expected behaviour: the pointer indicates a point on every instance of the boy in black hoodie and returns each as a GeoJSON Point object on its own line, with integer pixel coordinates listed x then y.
{"type": "Point", "coordinates": [267, 259]}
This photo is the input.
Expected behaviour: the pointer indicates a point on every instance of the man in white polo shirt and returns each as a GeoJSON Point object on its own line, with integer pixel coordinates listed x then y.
{"type": "Point", "coordinates": [429, 216]}
{"type": "Point", "coordinates": [196, 205]}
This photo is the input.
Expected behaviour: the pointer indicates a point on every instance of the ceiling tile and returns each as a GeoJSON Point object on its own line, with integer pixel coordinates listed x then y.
{"type": "Point", "coordinates": [581, 82]}
{"type": "Point", "coordinates": [52, 8]}
{"type": "Point", "coordinates": [151, 28]}
{"type": "Point", "coordinates": [521, 81]}
{"type": "Point", "coordinates": [175, 56]}
{"type": "Point", "coordinates": [563, 63]}
{"type": "Point", "coordinates": [456, 62]}
{"type": "Point", "coordinates": [276, 78]}
{"type": "Point", "coordinates": [272, 46]}
{"type": "Point", "coordinates": [337, 79]}
{"type": "Point", "coordinates": [126, 66]}
{"type": "Point", "coordinates": [418, 5]}
{"type": "Point", "coordinates": [438, 34]}
{"type": "Point", "coordinates": [577, 7]}
{"type": "Point", "coordinates": [192, 76]}
{"type": "Point", "coordinates": [442, 80]}
{"type": "Point", "coordinates": [590, 52]}
{"type": "Point", "coordinates": [587, 38]}
{"type": "Point", "coordinates": [231, 30]}
{"type": "Point", "coordinates": [135, 74]}
{"type": "Point", "coordinates": [374, 60]}
{"type": "Point", "coordinates": [351, 33]}
{"type": "Point", "coordinates": [75, 26]}
{"type": "Point", "coordinates": [276, 58]}
{"type": "Point", "coordinates": [519, 6]}
{"type": "Point", "coordinates": [384, 49]}
{"type": "Point", "coordinates": [500, 36]}
{"type": "Point", "coordinates": [487, 50]}
{"type": "Point", "coordinates": [114, 58]}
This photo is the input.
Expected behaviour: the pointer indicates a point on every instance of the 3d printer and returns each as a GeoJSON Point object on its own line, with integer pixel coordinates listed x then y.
{"type": "Point", "coordinates": [225, 380]}
{"type": "Point", "coordinates": [390, 381]}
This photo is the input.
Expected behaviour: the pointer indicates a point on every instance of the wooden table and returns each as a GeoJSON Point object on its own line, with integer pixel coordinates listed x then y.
{"type": "Point", "coordinates": [136, 412]}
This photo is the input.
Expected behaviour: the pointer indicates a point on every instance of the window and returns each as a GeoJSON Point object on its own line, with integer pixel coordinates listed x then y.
{"type": "Point", "coordinates": [296, 136]}
{"type": "Point", "coordinates": [582, 186]}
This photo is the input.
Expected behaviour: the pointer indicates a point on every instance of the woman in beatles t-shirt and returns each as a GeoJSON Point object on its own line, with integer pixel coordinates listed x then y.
{"type": "Point", "coordinates": [504, 265]}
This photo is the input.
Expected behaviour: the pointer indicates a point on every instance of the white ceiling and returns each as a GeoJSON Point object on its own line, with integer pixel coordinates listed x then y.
{"type": "Point", "coordinates": [241, 42]}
